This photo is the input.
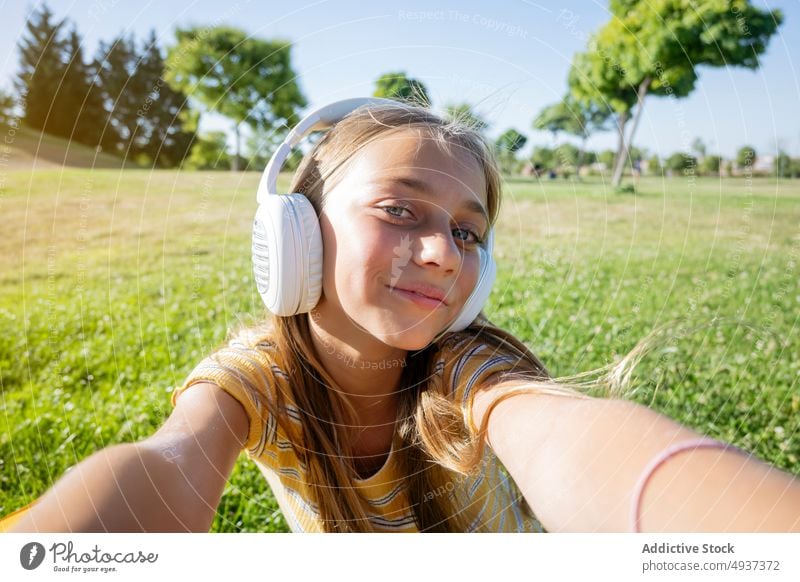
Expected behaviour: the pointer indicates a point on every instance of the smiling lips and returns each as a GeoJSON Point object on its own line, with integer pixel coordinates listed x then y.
{"type": "Point", "coordinates": [425, 295]}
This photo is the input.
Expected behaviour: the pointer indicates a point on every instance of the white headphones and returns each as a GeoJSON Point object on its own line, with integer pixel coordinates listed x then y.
{"type": "Point", "coordinates": [287, 244]}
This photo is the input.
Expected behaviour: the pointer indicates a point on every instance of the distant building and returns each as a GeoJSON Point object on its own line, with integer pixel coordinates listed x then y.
{"type": "Point", "coordinates": [764, 164]}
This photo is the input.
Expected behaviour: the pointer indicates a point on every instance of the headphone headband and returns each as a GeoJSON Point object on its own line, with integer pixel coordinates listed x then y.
{"type": "Point", "coordinates": [321, 118]}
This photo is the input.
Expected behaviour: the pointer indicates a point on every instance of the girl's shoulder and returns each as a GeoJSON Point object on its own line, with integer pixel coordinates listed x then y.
{"type": "Point", "coordinates": [466, 359]}
{"type": "Point", "coordinates": [249, 368]}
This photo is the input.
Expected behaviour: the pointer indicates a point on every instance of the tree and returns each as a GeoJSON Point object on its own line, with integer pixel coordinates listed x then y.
{"type": "Point", "coordinates": [794, 168]}
{"type": "Point", "coordinates": [244, 78]}
{"type": "Point", "coordinates": [122, 93]}
{"type": "Point", "coordinates": [507, 146]}
{"type": "Point", "coordinates": [589, 117]}
{"type": "Point", "coordinates": [638, 154]}
{"type": "Point", "coordinates": [746, 157]}
{"type": "Point", "coordinates": [7, 106]}
{"type": "Point", "coordinates": [606, 157]}
{"type": "Point", "coordinates": [398, 86]}
{"type": "Point", "coordinates": [165, 126]}
{"type": "Point", "coordinates": [146, 119]}
{"type": "Point", "coordinates": [654, 48]}
{"type": "Point", "coordinates": [511, 141]}
{"type": "Point", "coordinates": [543, 158]}
{"type": "Point", "coordinates": [679, 161]}
{"type": "Point", "coordinates": [209, 152]}
{"type": "Point", "coordinates": [567, 156]}
{"type": "Point", "coordinates": [78, 106]}
{"type": "Point", "coordinates": [699, 147]}
{"type": "Point", "coordinates": [783, 165]}
{"type": "Point", "coordinates": [711, 165]}
{"type": "Point", "coordinates": [58, 89]}
{"type": "Point", "coordinates": [555, 118]}
{"type": "Point", "coordinates": [463, 113]}
{"type": "Point", "coordinates": [41, 68]}
{"type": "Point", "coordinates": [588, 158]}
{"type": "Point", "coordinates": [654, 165]}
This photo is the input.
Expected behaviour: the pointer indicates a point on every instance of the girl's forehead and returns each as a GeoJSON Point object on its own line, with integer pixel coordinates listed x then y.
{"type": "Point", "coordinates": [414, 153]}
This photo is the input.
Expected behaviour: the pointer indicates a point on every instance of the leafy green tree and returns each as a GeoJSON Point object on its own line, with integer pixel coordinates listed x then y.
{"type": "Point", "coordinates": [166, 128]}
{"type": "Point", "coordinates": [589, 157]}
{"type": "Point", "coordinates": [507, 146]}
{"type": "Point", "coordinates": [638, 154]}
{"type": "Point", "coordinates": [783, 165]}
{"type": "Point", "coordinates": [145, 118]}
{"type": "Point", "coordinates": [566, 155]}
{"type": "Point", "coordinates": [606, 157]}
{"type": "Point", "coordinates": [543, 158]}
{"type": "Point", "coordinates": [794, 168]}
{"type": "Point", "coordinates": [654, 48]}
{"type": "Point", "coordinates": [209, 152]}
{"type": "Point", "coordinates": [399, 86]}
{"type": "Point", "coordinates": [711, 165]}
{"type": "Point", "coordinates": [729, 168]}
{"type": "Point", "coordinates": [681, 162]}
{"type": "Point", "coordinates": [746, 157]}
{"type": "Point", "coordinates": [511, 141]}
{"type": "Point", "coordinates": [574, 117]}
{"type": "Point", "coordinates": [42, 50]}
{"type": "Point", "coordinates": [122, 92]}
{"type": "Point", "coordinates": [247, 79]}
{"type": "Point", "coordinates": [7, 106]}
{"type": "Point", "coordinates": [78, 107]}
{"type": "Point", "coordinates": [57, 86]}
{"type": "Point", "coordinates": [463, 113]}
{"type": "Point", "coordinates": [556, 118]}
{"type": "Point", "coordinates": [654, 165]}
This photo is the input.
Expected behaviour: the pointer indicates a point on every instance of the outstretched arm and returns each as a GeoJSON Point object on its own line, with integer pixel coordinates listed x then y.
{"type": "Point", "coordinates": [171, 481]}
{"type": "Point", "coordinates": [577, 462]}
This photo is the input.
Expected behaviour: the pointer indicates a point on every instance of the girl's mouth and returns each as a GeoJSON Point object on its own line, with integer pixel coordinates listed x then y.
{"type": "Point", "coordinates": [417, 298]}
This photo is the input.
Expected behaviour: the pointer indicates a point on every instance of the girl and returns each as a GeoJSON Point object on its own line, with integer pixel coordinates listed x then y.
{"type": "Point", "coordinates": [367, 405]}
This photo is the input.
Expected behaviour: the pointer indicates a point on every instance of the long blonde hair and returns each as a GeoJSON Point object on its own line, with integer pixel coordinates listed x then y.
{"type": "Point", "coordinates": [430, 425]}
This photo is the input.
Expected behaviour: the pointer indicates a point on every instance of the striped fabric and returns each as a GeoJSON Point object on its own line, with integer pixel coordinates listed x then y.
{"type": "Point", "coordinates": [489, 502]}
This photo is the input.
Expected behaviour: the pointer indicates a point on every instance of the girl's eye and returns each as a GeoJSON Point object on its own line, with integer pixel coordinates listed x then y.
{"type": "Point", "coordinates": [400, 208]}
{"type": "Point", "coordinates": [463, 236]}
{"type": "Point", "coordinates": [475, 238]}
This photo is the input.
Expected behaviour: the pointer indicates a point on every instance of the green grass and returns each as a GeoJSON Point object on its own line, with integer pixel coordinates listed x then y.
{"type": "Point", "coordinates": [113, 285]}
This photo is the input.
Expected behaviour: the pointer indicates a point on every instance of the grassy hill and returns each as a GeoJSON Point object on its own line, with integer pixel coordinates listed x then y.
{"type": "Point", "coordinates": [28, 149]}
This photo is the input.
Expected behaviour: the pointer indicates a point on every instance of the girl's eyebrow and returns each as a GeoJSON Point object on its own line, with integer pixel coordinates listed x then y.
{"type": "Point", "coordinates": [422, 188]}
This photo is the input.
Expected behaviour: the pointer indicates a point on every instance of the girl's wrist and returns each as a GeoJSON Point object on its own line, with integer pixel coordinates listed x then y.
{"type": "Point", "coordinates": [658, 461]}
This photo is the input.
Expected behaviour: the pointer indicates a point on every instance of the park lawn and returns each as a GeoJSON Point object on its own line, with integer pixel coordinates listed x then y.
{"type": "Point", "coordinates": [113, 285]}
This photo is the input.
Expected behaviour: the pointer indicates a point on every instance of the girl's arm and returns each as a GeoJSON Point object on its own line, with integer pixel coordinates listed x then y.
{"type": "Point", "coordinates": [171, 481]}
{"type": "Point", "coordinates": [577, 462]}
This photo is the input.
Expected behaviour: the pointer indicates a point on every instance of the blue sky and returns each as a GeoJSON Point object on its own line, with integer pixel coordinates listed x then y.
{"type": "Point", "coordinates": [509, 59]}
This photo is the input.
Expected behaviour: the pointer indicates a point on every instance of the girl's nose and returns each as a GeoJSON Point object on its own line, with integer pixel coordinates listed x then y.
{"type": "Point", "coordinates": [439, 248]}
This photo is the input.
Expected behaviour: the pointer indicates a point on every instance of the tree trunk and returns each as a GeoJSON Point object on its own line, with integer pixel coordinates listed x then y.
{"type": "Point", "coordinates": [622, 119]}
{"type": "Point", "coordinates": [579, 162]}
{"type": "Point", "coordinates": [235, 164]}
{"type": "Point", "coordinates": [623, 158]}
{"type": "Point", "coordinates": [641, 94]}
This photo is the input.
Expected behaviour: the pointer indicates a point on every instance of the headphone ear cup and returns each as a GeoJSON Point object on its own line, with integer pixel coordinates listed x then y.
{"type": "Point", "coordinates": [287, 254]}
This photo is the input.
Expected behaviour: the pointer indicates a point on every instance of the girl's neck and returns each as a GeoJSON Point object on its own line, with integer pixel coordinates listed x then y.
{"type": "Point", "coordinates": [365, 369]}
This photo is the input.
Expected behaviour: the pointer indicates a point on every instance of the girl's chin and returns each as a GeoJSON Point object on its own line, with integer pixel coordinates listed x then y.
{"type": "Point", "coordinates": [409, 340]}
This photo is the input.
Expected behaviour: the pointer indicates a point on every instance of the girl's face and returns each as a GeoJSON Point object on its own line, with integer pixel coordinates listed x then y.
{"type": "Point", "coordinates": [405, 216]}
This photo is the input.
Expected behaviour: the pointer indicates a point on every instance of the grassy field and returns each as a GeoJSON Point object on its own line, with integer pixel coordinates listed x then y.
{"type": "Point", "coordinates": [113, 285]}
